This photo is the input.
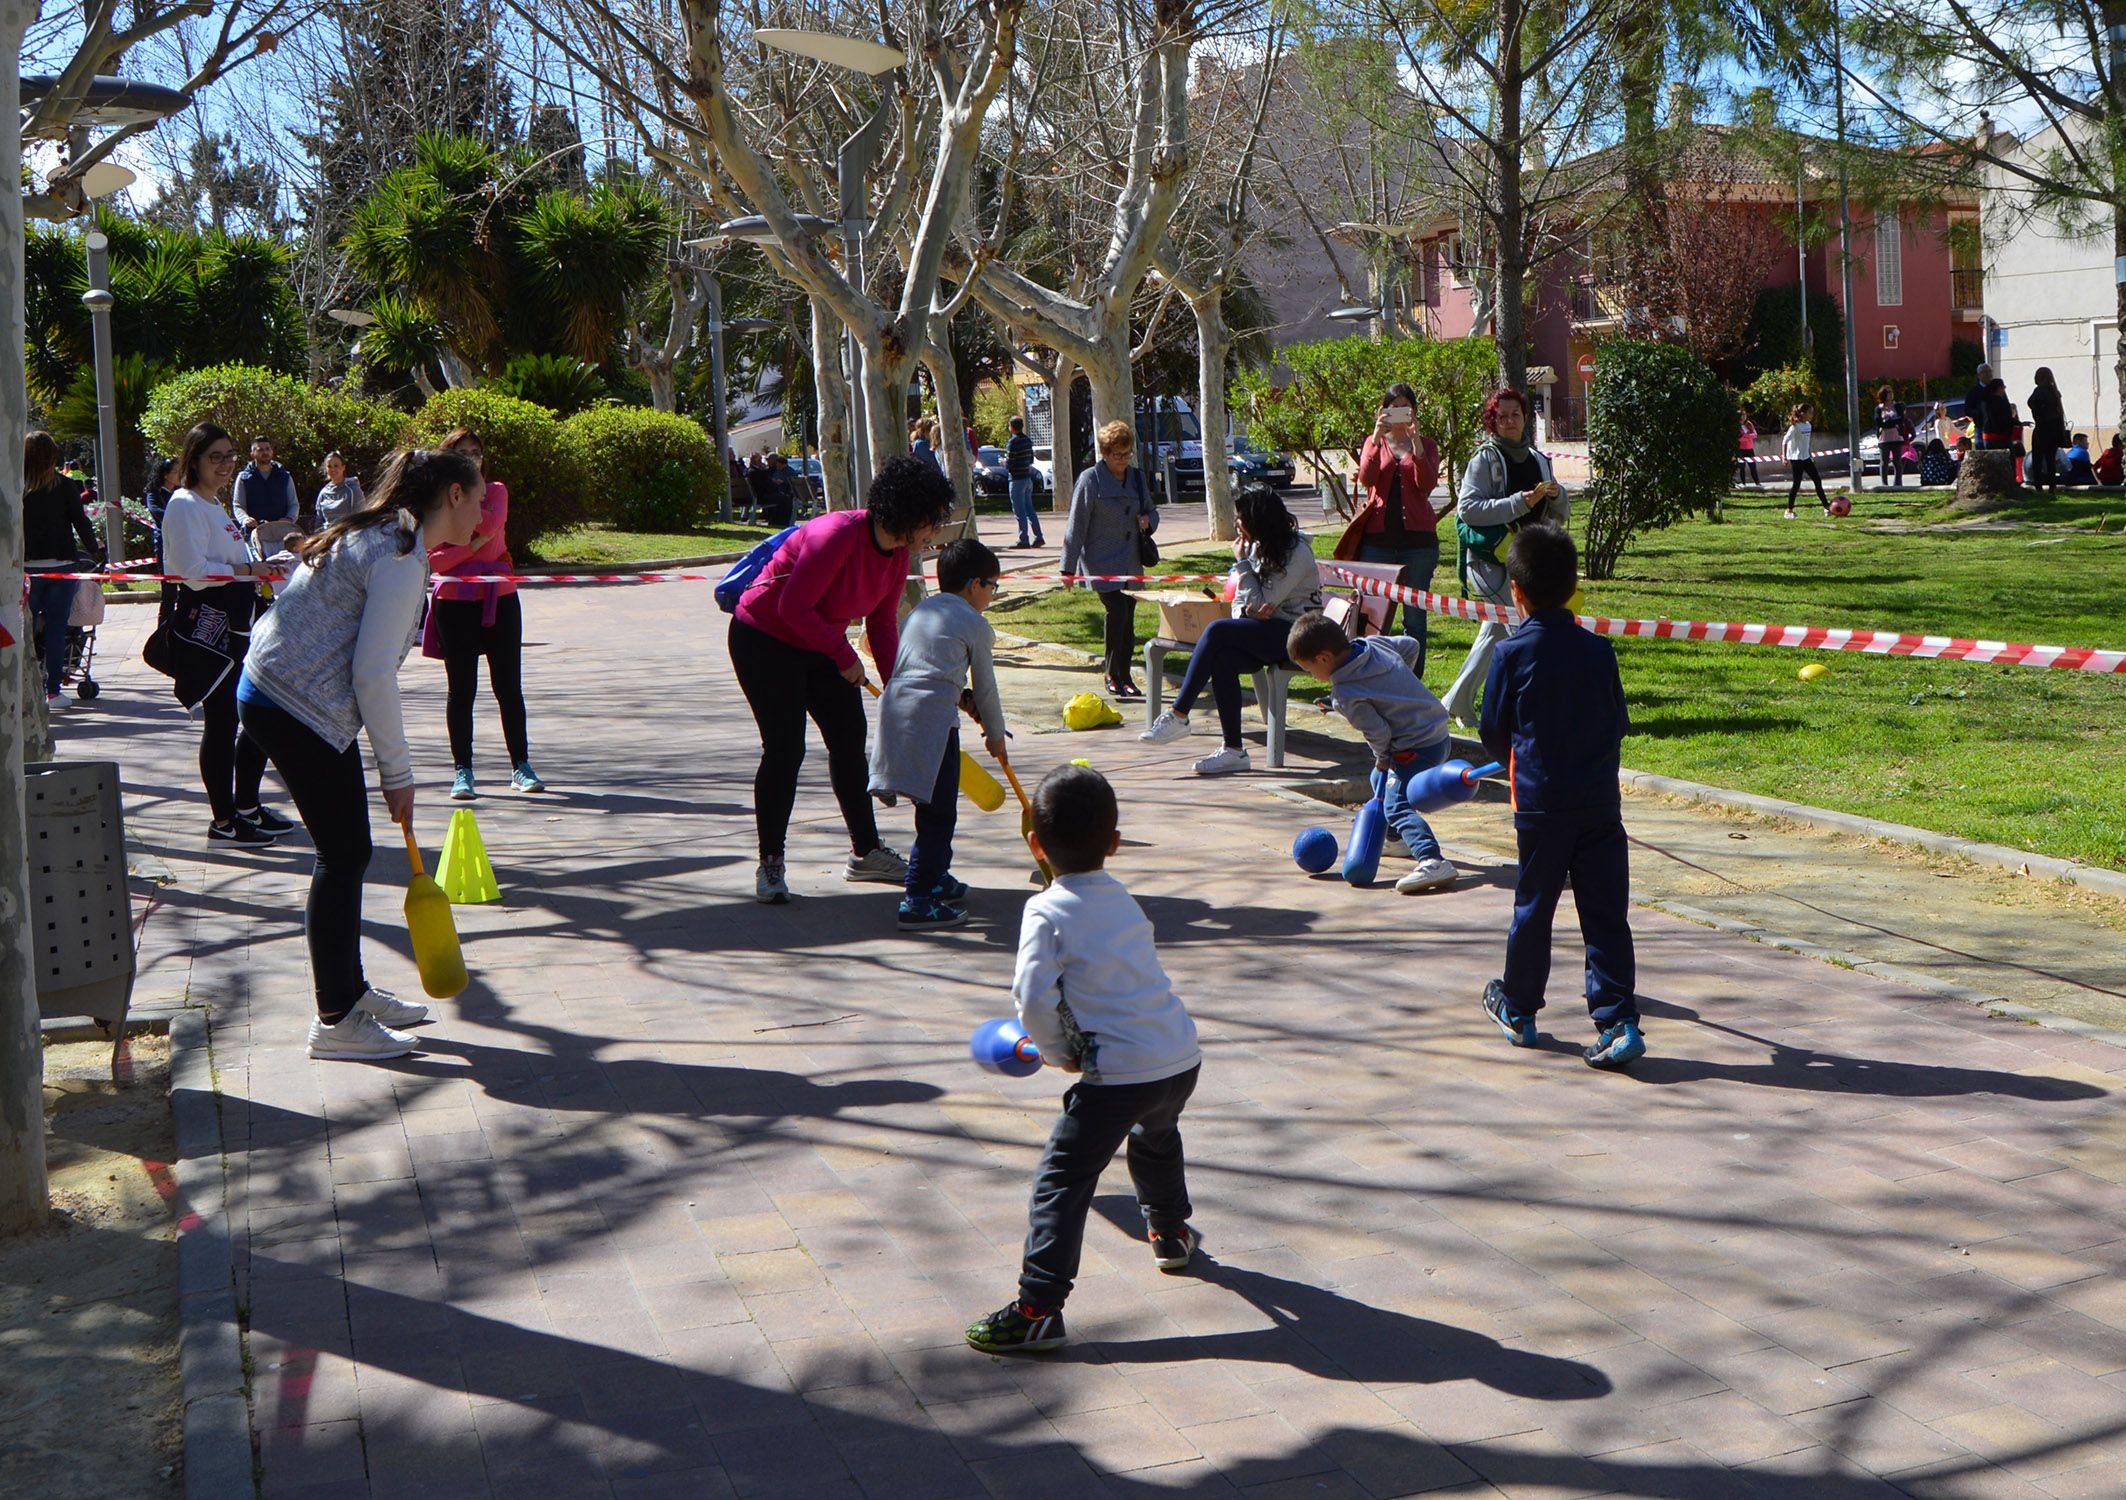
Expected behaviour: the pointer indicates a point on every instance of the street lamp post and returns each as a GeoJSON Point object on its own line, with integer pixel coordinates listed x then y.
{"type": "Point", "coordinates": [720, 418]}
{"type": "Point", "coordinates": [98, 300]}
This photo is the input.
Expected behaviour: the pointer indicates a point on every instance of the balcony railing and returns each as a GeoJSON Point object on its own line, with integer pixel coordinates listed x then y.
{"type": "Point", "coordinates": [1967, 290]}
{"type": "Point", "coordinates": [1589, 305]}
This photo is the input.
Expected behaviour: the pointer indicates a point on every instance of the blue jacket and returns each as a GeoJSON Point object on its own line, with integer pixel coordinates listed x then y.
{"type": "Point", "coordinates": [265, 497]}
{"type": "Point", "coordinates": [1554, 711]}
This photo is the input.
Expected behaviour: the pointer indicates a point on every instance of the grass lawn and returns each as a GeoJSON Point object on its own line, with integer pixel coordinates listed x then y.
{"type": "Point", "coordinates": [2022, 756]}
{"type": "Point", "coordinates": [605, 544]}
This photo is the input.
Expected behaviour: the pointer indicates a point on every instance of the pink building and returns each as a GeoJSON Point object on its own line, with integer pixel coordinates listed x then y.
{"type": "Point", "coordinates": [1917, 283]}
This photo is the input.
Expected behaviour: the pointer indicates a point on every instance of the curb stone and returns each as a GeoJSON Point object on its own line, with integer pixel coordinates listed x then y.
{"type": "Point", "coordinates": [2096, 878]}
{"type": "Point", "coordinates": [1893, 973]}
{"type": "Point", "coordinates": [217, 1416]}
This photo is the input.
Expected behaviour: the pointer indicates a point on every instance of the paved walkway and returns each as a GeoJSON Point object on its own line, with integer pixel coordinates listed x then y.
{"type": "Point", "coordinates": [689, 1196]}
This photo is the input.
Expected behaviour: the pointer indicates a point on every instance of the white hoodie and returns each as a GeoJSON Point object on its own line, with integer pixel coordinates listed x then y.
{"type": "Point", "coordinates": [1089, 985]}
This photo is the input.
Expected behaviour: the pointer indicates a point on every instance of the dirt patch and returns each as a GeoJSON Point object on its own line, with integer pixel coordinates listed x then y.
{"type": "Point", "coordinates": [90, 1402]}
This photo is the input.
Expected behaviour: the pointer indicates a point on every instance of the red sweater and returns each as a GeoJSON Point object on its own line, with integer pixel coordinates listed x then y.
{"type": "Point", "coordinates": [1376, 466]}
{"type": "Point", "coordinates": [822, 580]}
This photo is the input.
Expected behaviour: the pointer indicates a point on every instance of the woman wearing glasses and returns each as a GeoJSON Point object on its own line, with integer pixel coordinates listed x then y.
{"type": "Point", "coordinates": [210, 630]}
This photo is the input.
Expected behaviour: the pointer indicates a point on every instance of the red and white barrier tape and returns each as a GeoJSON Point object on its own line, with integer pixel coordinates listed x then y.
{"type": "Point", "coordinates": [523, 578]}
{"type": "Point", "coordinates": [1803, 637]}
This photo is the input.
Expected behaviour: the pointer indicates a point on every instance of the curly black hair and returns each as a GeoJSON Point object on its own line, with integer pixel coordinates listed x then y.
{"type": "Point", "coordinates": [1269, 526]}
{"type": "Point", "coordinates": [908, 495]}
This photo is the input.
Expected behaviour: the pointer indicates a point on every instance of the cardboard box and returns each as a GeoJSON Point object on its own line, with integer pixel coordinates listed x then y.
{"type": "Point", "coordinates": [1183, 615]}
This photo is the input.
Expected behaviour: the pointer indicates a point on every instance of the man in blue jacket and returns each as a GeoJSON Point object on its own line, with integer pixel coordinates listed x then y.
{"type": "Point", "coordinates": [265, 491]}
{"type": "Point", "coordinates": [1554, 710]}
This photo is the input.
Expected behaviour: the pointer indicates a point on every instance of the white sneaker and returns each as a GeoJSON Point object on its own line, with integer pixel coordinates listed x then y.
{"type": "Point", "coordinates": [1430, 875]}
{"type": "Point", "coordinates": [771, 885]}
{"type": "Point", "coordinates": [391, 1010]}
{"type": "Point", "coordinates": [55, 703]}
{"type": "Point", "coordinates": [359, 1036]}
{"type": "Point", "coordinates": [1165, 729]}
{"type": "Point", "coordinates": [880, 867]}
{"type": "Point", "coordinates": [1224, 763]}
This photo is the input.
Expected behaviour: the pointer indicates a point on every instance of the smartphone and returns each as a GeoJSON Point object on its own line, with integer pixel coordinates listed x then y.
{"type": "Point", "coordinates": [1400, 416]}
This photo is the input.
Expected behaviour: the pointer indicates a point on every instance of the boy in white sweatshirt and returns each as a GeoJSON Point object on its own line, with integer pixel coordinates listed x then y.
{"type": "Point", "coordinates": [1093, 997]}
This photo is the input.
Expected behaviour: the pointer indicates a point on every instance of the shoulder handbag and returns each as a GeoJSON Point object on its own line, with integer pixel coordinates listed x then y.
{"type": "Point", "coordinates": [156, 650]}
{"type": "Point", "coordinates": [1147, 549]}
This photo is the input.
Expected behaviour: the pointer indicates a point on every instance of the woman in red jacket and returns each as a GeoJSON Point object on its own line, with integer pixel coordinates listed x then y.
{"type": "Point", "coordinates": [1399, 468]}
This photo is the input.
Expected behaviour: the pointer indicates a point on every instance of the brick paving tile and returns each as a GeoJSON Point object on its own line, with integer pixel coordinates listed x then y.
{"type": "Point", "coordinates": [688, 1195]}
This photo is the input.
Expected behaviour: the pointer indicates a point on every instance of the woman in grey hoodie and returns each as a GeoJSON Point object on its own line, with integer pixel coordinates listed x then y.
{"type": "Point", "coordinates": [323, 668]}
{"type": "Point", "coordinates": [1279, 581]}
{"type": "Point", "coordinates": [1507, 485]}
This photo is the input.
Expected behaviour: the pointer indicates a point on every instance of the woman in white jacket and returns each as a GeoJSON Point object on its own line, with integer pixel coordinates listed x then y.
{"type": "Point", "coordinates": [1507, 485]}
{"type": "Point", "coordinates": [323, 667]}
{"type": "Point", "coordinates": [1278, 580]}
{"type": "Point", "coordinates": [209, 631]}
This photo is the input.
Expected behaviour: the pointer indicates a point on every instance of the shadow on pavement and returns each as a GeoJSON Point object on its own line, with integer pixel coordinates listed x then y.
{"type": "Point", "coordinates": [1831, 1072]}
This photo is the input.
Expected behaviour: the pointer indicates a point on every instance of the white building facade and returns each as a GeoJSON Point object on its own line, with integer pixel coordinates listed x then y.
{"type": "Point", "coordinates": [2050, 299]}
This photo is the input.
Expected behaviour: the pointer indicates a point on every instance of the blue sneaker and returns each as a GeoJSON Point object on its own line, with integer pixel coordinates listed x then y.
{"type": "Point", "coordinates": [1618, 1046]}
{"type": "Point", "coordinates": [926, 913]}
{"type": "Point", "coordinates": [1520, 1030]}
{"type": "Point", "coordinates": [525, 779]}
{"type": "Point", "coordinates": [461, 786]}
{"type": "Point", "coordinates": [948, 889]}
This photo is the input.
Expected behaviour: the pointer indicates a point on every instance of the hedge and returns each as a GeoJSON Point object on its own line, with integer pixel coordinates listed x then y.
{"type": "Point", "coordinates": [1661, 442]}
{"type": "Point", "coordinates": [304, 422]}
{"type": "Point", "coordinates": [650, 470]}
{"type": "Point", "coordinates": [528, 448]}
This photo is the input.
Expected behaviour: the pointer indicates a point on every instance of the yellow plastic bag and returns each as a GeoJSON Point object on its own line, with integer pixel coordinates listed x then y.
{"type": "Point", "coordinates": [1090, 711]}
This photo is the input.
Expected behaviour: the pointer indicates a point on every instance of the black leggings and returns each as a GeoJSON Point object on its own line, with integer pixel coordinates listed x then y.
{"type": "Point", "coordinates": [332, 798]}
{"type": "Point", "coordinates": [782, 684]}
{"type": "Point", "coordinates": [465, 640]}
{"type": "Point", "coordinates": [1118, 634]}
{"type": "Point", "coordinates": [230, 761]}
{"type": "Point", "coordinates": [1228, 650]}
{"type": "Point", "coordinates": [1804, 466]}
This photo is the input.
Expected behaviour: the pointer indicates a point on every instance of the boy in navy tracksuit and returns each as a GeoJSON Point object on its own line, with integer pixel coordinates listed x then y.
{"type": "Point", "coordinates": [1554, 709]}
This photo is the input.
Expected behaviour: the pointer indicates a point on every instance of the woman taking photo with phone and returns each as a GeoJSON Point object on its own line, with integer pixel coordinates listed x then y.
{"type": "Point", "coordinates": [323, 668]}
{"type": "Point", "coordinates": [210, 629]}
{"type": "Point", "coordinates": [1399, 468]}
{"type": "Point", "coordinates": [1507, 485]}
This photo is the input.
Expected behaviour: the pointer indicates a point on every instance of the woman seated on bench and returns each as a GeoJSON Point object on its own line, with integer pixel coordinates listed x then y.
{"type": "Point", "coordinates": [1279, 582]}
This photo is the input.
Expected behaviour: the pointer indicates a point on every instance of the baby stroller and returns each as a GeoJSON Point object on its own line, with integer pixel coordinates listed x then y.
{"type": "Point", "coordinates": [82, 618]}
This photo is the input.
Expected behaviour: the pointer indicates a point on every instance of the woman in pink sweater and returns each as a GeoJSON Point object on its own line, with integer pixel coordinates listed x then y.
{"type": "Point", "coordinates": [467, 621]}
{"type": "Point", "coordinates": [790, 648]}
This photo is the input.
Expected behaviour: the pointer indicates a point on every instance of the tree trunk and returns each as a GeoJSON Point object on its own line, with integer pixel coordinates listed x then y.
{"type": "Point", "coordinates": [1114, 392]}
{"type": "Point", "coordinates": [25, 1191]}
{"type": "Point", "coordinates": [1062, 461]}
{"type": "Point", "coordinates": [1212, 342]}
{"type": "Point", "coordinates": [831, 392]}
{"type": "Point", "coordinates": [1510, 315]}
{"type": "Point", "coordinates": [2114, 18]}
{"type": "Point", "coordinates": [952, 440]}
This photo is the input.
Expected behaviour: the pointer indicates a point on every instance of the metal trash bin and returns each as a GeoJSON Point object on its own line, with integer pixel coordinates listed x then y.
{"type": "Point", "coordinates": [81, 918]}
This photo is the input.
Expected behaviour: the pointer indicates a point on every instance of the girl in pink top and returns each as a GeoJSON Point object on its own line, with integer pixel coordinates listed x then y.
{"type": "Point", "coordinates": [467, 621]}
{"type": "Point", "coordinates": [790, 648]}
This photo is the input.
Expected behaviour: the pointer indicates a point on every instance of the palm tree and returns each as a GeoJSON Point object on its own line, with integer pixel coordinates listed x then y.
{"type": "Point", "coordinates": [425, 234]}
{"type": "Point", "coordinates": [404, 335]}
{"type": "Point", "coordinates": [588, 256]}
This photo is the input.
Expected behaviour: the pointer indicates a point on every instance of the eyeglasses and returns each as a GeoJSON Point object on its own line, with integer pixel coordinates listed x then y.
{"type": "Point", "coordinates": [223, 456]}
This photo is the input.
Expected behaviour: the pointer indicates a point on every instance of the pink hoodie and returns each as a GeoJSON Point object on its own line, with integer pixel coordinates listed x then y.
{"type": "Point", "coordinates": [487, 552]}
{"type": "Point", "coordinates": [830, 574]}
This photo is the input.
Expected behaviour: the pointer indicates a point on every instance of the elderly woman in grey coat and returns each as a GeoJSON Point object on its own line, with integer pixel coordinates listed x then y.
{"type": "Point", "coordinates": [1110, 508]}
{"type": "Point", "coordinates": [1507, 485]}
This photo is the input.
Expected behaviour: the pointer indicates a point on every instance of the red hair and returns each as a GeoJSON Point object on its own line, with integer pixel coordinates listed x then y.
{"type": "Point", "coordinates": [1499, 397]}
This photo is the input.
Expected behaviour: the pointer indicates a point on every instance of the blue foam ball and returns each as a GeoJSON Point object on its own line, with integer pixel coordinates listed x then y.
{"type": "Point", "coordinates": [1314, 850]}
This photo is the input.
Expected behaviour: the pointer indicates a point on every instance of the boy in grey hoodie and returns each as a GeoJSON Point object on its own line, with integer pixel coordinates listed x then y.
{"type": "Point", "coordinates": [1094, 998]}
{"type": "Point", "coordinates": [1376, 687]}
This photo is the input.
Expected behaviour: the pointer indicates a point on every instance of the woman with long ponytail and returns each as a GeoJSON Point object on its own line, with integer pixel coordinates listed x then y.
{"type": "Point", "coordinates": [324, 667]}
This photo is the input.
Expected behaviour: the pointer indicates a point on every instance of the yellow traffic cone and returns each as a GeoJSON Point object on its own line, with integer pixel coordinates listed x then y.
{"type": "Point", "coordinates": [463, 872]}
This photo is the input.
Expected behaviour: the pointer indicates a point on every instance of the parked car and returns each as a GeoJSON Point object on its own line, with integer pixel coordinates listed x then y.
{"type": "Point", "coordinates": [990, 476]}
{"type": "Point", "coordinates": [1044, 470]}
{"type": "Point", "coordinates": [1250, 463]}
{"type": "Point", "coordinates": [1169, 436]}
